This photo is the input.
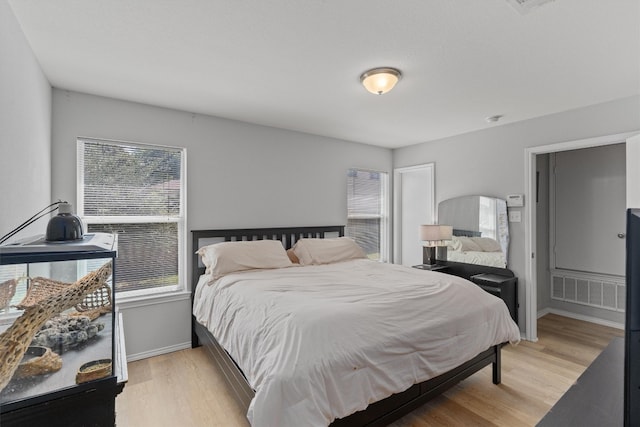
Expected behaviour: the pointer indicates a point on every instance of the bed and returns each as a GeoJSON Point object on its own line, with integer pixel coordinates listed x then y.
{"type": "Point", "coordinates": [472, 248]}
{"type": "Point", "coordinates": [339, 373]}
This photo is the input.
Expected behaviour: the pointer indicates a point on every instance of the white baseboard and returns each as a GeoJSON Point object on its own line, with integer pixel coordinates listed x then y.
{"type": "Point", "coordinates": [543, 312]}
{"type": "Point", "coordinates": [581, 317]}
{"type": "Point", "coordinates": [158, 351]}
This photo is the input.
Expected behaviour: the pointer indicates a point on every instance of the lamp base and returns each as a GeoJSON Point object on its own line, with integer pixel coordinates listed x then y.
{"type": "Point", "coordinates": [441, 253]}
{"type": "Point", "coordinates": [429, 255]}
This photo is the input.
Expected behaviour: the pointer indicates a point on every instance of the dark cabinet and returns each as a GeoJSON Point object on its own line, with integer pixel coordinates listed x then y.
{"type": "Point", "coordinates": [500, 282]}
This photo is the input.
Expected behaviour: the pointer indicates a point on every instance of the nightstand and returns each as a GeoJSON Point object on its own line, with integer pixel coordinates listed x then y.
{"type": "Point", "coordinates": [434, 267]}
{"type": "Point", "coordinates": [504, 287]}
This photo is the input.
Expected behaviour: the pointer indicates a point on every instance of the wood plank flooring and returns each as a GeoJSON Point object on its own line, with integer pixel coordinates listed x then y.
{"type": "Point", "coordinates": [185, 389]}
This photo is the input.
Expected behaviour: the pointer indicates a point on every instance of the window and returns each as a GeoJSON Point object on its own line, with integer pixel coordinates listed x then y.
{"type": "Point", "coordinates": [367, 212]}
{"type": "Point", "coordinates": [136, 191]}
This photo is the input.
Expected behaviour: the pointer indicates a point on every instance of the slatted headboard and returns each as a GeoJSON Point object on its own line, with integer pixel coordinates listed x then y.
{"type": "Point", "coordinates": [287, 235]}
{"type": "Point", "coordinates": [467, 233]}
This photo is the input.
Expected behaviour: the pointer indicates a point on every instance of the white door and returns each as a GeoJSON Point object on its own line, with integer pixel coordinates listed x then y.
{"type": "Point", "coordinates": [588, 209]}
{"type": "Point", "coordinates": [414, 205]}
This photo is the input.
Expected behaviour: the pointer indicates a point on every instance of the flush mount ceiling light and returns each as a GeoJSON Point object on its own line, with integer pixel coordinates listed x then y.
{"type": "Point", "coordinates": [380, 80]}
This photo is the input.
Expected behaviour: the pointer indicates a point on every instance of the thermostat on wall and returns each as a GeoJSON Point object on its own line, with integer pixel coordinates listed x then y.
{"type": "Point", "coordinates": [515, 200]}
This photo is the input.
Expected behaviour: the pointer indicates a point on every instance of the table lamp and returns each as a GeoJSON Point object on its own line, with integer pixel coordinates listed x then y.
{"type": "Point", "coordinates": [434, 236]}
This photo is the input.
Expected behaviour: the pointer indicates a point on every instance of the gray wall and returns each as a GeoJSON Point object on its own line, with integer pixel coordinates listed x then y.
{"type": "Point", "coordinates": [491, 162]}
{"type": "Point", "coordinates": [25, 130]}
{"type": "Point", "coordinates": [239, 175]}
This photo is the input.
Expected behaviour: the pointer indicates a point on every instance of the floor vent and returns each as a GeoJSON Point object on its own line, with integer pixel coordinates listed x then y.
{"type": "Point", "coordinates": [524, 6]}
{"type": "Point", "coordinates": [607, 293]}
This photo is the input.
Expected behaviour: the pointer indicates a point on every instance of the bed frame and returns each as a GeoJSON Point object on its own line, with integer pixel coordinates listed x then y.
{"type": "Point", "coordinates": [377, 414]}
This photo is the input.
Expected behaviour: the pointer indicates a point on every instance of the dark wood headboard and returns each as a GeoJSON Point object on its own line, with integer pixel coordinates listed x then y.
{"type": "Point", "coordinates": [466, 233]}
{"type": "Point", "coordinates": [287, 235]}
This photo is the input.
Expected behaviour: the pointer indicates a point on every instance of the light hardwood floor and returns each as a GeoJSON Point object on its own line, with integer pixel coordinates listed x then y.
{"type": "Point", "coordinates": [184, 389]}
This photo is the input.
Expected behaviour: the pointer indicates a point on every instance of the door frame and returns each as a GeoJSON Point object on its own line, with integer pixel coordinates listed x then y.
{"type": "Point", "coordinates": [397, 203]}
{"type": "Point", "coordinates": [531, 287]}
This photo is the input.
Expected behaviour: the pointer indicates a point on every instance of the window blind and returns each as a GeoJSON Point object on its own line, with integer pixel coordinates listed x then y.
{"type": "Point", "coordinates": [365, 210]}
{"type": "Point", "coordinates": [147, 254]}
{"type": "Point", "coordinates": [128, 180]}
{"type": "Point", "coordinates": [136, 192]}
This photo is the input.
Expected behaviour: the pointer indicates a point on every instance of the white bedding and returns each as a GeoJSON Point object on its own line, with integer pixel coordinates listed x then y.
{"type": "Point", "coordinates": [492, 259]}
{"type": "Point", "coordinates": [321, 342]}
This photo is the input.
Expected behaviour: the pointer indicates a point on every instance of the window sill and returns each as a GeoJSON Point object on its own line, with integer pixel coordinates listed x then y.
{"type": "Point", "coordinates": [126, 302]}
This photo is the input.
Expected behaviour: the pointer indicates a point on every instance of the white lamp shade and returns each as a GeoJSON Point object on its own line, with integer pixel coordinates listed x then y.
{"type": "Point", "coordinates": [435, 233]}
{"type": "Point", "coordinates": [380, 80]}
{"type": "Point", "coordinates": [446, 232]}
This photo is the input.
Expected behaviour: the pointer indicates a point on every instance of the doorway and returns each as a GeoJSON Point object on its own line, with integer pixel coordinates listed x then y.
{"type": "Point", "coordinates": [414, 205]}
{"type": "Point", "coordinates": [580, 209]}
{"type": "Point", "coordinates": [531, 181]}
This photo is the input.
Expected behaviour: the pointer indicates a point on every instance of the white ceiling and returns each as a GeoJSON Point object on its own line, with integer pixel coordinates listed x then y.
{"type": "Point", "coordinates": [295, 64]}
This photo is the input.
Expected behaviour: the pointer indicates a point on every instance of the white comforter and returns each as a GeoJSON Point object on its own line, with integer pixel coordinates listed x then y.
{"type": "Point", "coordinates": [492, 259]}
{"type": "Point", "coordinates": [321, 342]}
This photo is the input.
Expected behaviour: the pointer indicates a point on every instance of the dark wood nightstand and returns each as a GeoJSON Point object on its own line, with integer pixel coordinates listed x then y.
{"type": "Point", "coordinates": [434, 267]}
{"type": "Point", "coordinates": [505, 288]}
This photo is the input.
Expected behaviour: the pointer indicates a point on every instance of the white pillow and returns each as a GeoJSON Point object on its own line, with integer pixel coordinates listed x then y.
{"type": "Point", "coordinates": [327, 251]}
{"type": "Point", "coordinates": [487, 244]}
{"type": "Point", "coordinates": [455, 244]}
{"type": "Point", "coordinates": [467, 245]}
{"type": "Point", "coordinates": [228, 257]}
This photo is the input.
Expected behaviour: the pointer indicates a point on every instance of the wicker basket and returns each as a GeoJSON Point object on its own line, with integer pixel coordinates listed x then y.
{"type": "Point", "coordinates": [93, 370]}
{"type": "Point", "coordinates": [7, 291]}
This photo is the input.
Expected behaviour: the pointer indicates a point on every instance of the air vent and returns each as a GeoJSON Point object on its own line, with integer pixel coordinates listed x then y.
{"type": "Point", "coordinates": [608, 294]}
{"type": "Point", "coordinates": [524, 6]}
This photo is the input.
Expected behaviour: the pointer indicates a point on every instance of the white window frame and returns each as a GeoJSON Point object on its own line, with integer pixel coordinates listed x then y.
{"type": "Point", "coordinates": [180, 220]}
{"type": "Point", "coordinates": [384, 214]}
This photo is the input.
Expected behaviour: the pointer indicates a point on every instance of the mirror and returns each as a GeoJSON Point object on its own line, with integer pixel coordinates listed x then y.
{"type": "Point", "coordinates": [482, 229]}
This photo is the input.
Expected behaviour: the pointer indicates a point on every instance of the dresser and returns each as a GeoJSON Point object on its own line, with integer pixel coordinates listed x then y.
{"type": "Point", "coordinates": [504, 287]}
{"type": "Point", "coordinates": [500, 282]}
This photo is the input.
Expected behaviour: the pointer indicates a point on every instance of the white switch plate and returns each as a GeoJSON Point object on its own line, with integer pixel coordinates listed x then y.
{"type": "Point", "coordinates": [515, 216]}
